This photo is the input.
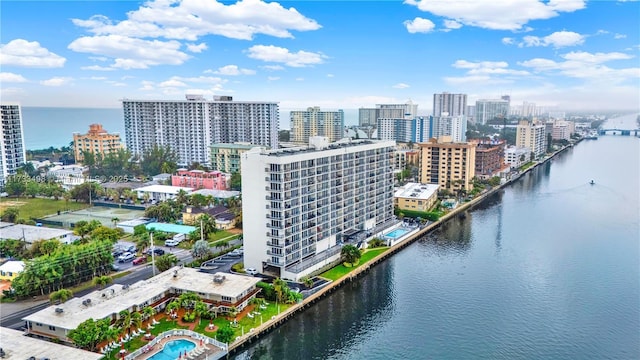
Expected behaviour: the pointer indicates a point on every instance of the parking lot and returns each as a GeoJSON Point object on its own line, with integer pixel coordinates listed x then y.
{"type": "Point", "coordinates": [182, 255]}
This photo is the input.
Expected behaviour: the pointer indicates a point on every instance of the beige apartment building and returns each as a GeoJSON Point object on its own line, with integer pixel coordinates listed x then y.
{"type": "Point", "coordinates": [226, 157]}
{"type": "Point", "coordinates": [96, 141]}
{"type": "Point", "coordinates": [448, 164]}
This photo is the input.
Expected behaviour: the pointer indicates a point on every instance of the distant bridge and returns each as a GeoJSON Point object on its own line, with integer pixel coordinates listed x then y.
{"type": "Point", "coordinates": [624, 132]}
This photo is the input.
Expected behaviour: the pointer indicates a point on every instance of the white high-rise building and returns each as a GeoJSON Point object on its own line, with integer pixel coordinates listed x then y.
{"type": "Point", "coordinates": [314, 122]}
{"type": "Point", "coordinates": [189, 127]}
{"type": "Point", "coordinates": [532, 136]}
{"type": "Point", "coordinates": [452, 104]}
{"type": "Point", "coordinates": [370, 116]}
{"type": "Point", "coordinates": [304, 203]}
{"type": "Point", "coordinates": [491, 109]}
{"type": "Point", "coordinates": [454, 126]}
{"type": "Point", "coordinates": [12, 150]}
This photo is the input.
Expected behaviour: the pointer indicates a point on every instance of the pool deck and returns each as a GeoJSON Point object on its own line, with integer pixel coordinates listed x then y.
{"type": "Point", "coordinates": [206, 351]}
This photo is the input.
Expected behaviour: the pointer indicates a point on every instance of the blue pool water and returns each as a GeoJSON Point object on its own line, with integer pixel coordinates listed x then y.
{"type": "Point", "coordinates": [173, 349]}
{"type": "Point", "coordinates": [171, 228]}
{"type": "Point", "coordinates": [396, 233]}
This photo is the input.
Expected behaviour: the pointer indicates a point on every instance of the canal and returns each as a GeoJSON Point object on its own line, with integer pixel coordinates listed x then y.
{"type": "Point", "coordinates": [547, 268]}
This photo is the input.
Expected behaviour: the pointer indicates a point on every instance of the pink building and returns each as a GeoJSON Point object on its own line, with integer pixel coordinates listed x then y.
{"type": "Point", "coordinates": [198, 179]}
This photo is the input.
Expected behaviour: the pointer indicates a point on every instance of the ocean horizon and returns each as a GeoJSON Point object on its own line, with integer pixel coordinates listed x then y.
{"type": "Point", "coordinates": [54, 126]}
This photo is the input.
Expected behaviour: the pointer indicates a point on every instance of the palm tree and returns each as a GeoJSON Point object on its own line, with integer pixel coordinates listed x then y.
{"type": "Point", "coordinates": [124, 319]}
{"type": "Point", "coordinates": [61, 295]}
{"type": "Point", "coordinates": [188, 299]}
{"type": "Point", "coordinates": [114, 220]}
{"type": "Point", "coordinates": [281, 288]}
{"type": "Point", "coordinates": [350, 254]}
{"type": "Point", "coordinates": [148, 312]}
{"type": "Point", "coordinates": [101, 281]}
{"type": "Point", "coordinates": [182, 198]}
{"type": "Point", "coordinates": [136, 319]}
{"type": "Point", "coordinates": [200, 308]}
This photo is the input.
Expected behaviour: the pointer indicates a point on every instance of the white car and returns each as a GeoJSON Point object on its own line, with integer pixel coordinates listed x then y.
{"type": "Point", "coordinates": [171, 242]}
{"type": "Point", "coordinates": [251, 271]}
{"type": "Point", "coordinates": [126, 257]}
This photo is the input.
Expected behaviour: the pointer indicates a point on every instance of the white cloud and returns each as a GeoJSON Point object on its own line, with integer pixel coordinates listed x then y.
{"type": "Point", "coordinates": [419, 25]}
{"type": "Point", "coordinates": [190, 19]}
{"type": "Point", "coordinates": [452, 24]}
{"type": "Point", "coordinates": [272, 67]}
{"type": "Point", "coordinates": [273, 78]}
{"type": "Point", "coordinates": [497, 14]}
{"type": "Point", "coordinates": [400, 86]}
{"type": "Point", "coordinates": [330, 75]}
{"type": "Point", "coordinates": [172, 83]}
{"type": "Point", "coordinates": [231, 70]}
{"type": "Point", "coordinates": [619, 36]}
{"type": "Point", "coordinates": [56, 81]}
{"type": "Point", "coordinates": [147, 85]}
{"type": "Point", "coordinates": [116, 83]}
{"type": "Point", "coordinates": [98, 78]}
{"type": "Point", "coordinates": [98, 58]}
{"type": "Point", "coordinates": [587, 66]}
{"type": "Point", "coordinates": [475, 79]}
{"type": "Point", "coordinates": [558, 39]}
{"type": "Point", "coordinates": [487, 72]}
{"type": "Point", "coordinates": [131, 53]}
{"type": "Point", "coordinates": [300, 79]}
{"type": "Point", "coordinates": [508, 41]}
{"type": "Point", "coordinates": [197, 48]}
{"type": "Point", "coordinates": [272, 53]}
{"type": "Point", "coordinates": [7, 77]}
{"type": "Point", "coordinates": [97, 68]}
{"type": "Point", "coordinates": [23, 53]}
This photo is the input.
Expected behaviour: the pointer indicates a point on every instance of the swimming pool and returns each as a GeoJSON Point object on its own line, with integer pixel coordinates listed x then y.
{"type": "Point", "coordinates": [172, 228]}
{"type": "Point", "coordinates": [397, 233]}
{"type": "Point", "coordinates": [173, 349]}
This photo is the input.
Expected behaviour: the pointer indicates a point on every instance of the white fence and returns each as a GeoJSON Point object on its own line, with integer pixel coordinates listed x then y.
{"type": "Point", "coordinates": [197, 337]}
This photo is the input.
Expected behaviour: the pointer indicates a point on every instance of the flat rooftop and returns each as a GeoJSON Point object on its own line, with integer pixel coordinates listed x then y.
{"type": "Point", "coordinates": [18, 346]}
{"type": "Point", "coordinates": [165, 189]}
{"type": "Point", "coordinates": [416, 191]}
{"type": "Point", "coordinates": [104, 303]}
{"type": "Point", "coordinates": [32, 233]}
{"type": "Point", "coordinates": [219, 194]}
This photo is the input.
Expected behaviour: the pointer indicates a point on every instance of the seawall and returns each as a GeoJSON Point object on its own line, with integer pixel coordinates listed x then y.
{"type": "Point", "coordinates": [279, 319]}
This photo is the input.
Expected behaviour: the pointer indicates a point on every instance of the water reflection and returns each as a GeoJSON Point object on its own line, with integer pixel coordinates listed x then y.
{"type": "Point", "coordinates": [332, 326]}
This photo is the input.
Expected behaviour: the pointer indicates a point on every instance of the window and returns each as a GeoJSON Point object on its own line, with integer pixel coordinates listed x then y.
{"type": "Point", "coordinates": [52, 328]}
{"type": "Point", "coordinates": [226, 298]}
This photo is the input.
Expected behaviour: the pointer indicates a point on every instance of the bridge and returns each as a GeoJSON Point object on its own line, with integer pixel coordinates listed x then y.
{"type": "Point", "coordinates": [624, 132]}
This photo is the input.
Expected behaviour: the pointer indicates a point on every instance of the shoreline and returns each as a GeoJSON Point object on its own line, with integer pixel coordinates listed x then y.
{"type": "Point", "coordinates": [256, 333]}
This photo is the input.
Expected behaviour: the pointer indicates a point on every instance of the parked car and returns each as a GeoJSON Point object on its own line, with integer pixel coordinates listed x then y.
{"type": "Point", "coordinates": [140, 260]}
{"type": "Point", "coordinates": [131, 249]}
{"type": "Point", "coordinates": [126, 257]}
{"type": "Point", "coordinates": [117, 252]}
{"type": "Point", "coordinates": [251, 271]}
{"type": "Point", "coordinates": [156, 251]}
{"type": "Point", "coordinates": [236, 253]}
{"type": "Point", "coordinates": [115, 267]}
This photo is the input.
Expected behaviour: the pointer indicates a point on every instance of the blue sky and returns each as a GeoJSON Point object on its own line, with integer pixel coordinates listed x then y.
{"type": "Point", "coordinates": [561, 54]}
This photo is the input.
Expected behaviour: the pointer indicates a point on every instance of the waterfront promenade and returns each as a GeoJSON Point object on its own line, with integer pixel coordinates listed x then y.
{"type": "Point", "coordinates": [255, 333]}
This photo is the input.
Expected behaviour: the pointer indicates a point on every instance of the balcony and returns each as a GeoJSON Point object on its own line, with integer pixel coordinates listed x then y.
{"type": "Point", "coordinates": [269, 252]}
{"type": "Point", "coordinates": [275, 244]}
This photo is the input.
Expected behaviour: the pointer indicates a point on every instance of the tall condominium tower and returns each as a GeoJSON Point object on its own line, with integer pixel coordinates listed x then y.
{"type": "Point", "coordinates": [305, 202]}
{"type": "Point", "coordinates": [448, 164]}
{"type": "Point", "coordinates": [189, 127]}
{"type": "Point", "coordinates": [370, 116]}
{"type": "Point", "coordinates": [454, 126]}
{"type": "Point", "coordinates": [449, 104]}
{"type": "Point", "coordinates": [417, 129]}
{"type": "Point", "coordinates": [491, 109]}
{"type": "Point", "coordinates": [532, 136]}
{"type": "Point", "coordinates": [97, 141]}
{"type": "Point", "coordinates": [314, 122]}
{"type": "Point", "coordinates": [12, 150]}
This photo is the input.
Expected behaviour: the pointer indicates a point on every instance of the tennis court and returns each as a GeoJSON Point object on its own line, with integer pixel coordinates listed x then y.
{"type": "Point", "coordinates": [101, 213]}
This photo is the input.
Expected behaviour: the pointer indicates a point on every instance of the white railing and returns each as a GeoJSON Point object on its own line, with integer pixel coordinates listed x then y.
{"type": "Point", "coordinates": [192, 334]}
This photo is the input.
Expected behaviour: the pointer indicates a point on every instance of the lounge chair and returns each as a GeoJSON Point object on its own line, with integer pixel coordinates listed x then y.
{"type": "Point", "coordinates": [250, 315]}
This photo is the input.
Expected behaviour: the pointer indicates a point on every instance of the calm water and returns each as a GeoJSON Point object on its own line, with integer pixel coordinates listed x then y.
{"type": "Point", "coordinates": [547, 269]}
{"type": "Point", "coordinates": [44, 127]}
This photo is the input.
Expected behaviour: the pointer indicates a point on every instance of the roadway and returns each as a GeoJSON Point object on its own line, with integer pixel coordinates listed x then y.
{"type": "Point", "coordinates": [13, 313]}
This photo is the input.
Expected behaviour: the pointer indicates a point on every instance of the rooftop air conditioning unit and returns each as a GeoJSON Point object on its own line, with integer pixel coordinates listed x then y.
{"type": "Point", "coordinates": [125, 287]}
{"type": "Point", "coordinates": [59, 310]}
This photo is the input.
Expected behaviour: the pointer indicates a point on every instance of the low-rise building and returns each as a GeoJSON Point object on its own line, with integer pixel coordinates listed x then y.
{"type": "Point", "coordinates": [226, 157]}
{"type": "Point", "coordinates": [11, 269]}
{"type": "Point", "coordinates": [416, 197]}
{"type": "Point", "coordinates": [489, 157]}
{"type": "Point", "coordinates": [16, 345]}
{"type": "Point", "coordinates": [68, 175]}
{"type": "Point", "coordinates": [516, 156]}
{"type": "Point", "coordinates": [161, 192]}
{"type": "Point", "coordinates": [220, 291]}
{"type": "Point", "coordinates": [198, 179]}
{"type": "Point", "coordinates": [217, 194]}
{"type": "Point", "coordinates": [129, 225]}
{"type": "Point", "coordinates": [225, 220]}
{"type": "Point", "coordinates": [30, 234]}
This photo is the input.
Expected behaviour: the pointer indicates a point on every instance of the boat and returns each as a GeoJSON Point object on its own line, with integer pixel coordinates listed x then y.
{"type": "Point", "coordinates": [592, 182]}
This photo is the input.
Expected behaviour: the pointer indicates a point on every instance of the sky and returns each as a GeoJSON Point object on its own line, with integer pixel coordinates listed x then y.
{"type": "Point", "coordinates": [569, 55]}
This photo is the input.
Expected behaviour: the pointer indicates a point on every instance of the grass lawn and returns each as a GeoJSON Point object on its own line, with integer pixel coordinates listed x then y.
{"type": "Point", "coordinates": [341, 270]}
{"type": "Point", "coordinates": [221, 234]}
{"type": "Point", "coordinates": [37, 208]}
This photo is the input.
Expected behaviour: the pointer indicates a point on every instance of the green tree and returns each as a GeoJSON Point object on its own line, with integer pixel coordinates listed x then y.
{"type": "Point", "coordinates": [10, 214]}
{"type": "Point", "coordinates": [225, 334]}
{"type": "Point", "coordinates": [44, 247]}
{"type": "Point", "coordinates": [182, 198]}
{"type": "Point", "coordinates": [166, 262]}
{"type": "Point", "coordinates": [236, 181]}
{"type": "Point", "coordinates": [28, 169]}
{"type": "Point", "coordinates": [350, 254]}
{"type": "Point", "coordinates": [106, 233]}
{"type": "Point", "coordinates": [124, 319]}
{"type": "Point", "coordinates": [157, 160]}
{"type": "Point", "coordinates": [208, 224]}
{"type": "Point", "coordinates": [284, 135]}
{"type": "Point", "coordinates": [61, 296]}
{"type": "Point", "coordinates": [89, 333]}
{"type": "Point", "coordinates": [102, 281]}
{"type": "Point", "coordinates": [148, 312]}
{"type": "Point", "coordinates": [280, 287]}
{"type": "Point", "coordinates": [200, 249]}
{"type": "Point", "coordinates": [32, 188]}
{"type": "Point", "coordinates": [12, 248]}
{"type": "Point", "coordinates": [15, 185]}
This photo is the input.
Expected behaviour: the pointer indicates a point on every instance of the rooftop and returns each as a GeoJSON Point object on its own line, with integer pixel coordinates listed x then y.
{"type": "Point", "coordinates": [166, 189]}
{"type": "Point", "coordinates": [218, 194]}
{"type": "Point", "coordinates": [104, 303]}
{"type": "Point", "coordinates": [416, 191]}
{"type": "Point", "coordinates": [18, 346]}
{"type": "Point", "coordinates": [243, 146]}
{"type": "Point", "coordinates": [32, 233]}
{"type": "Point", "coordinates": [340, 144]}
{"type": "Point", "coordinates": [12, 266]}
